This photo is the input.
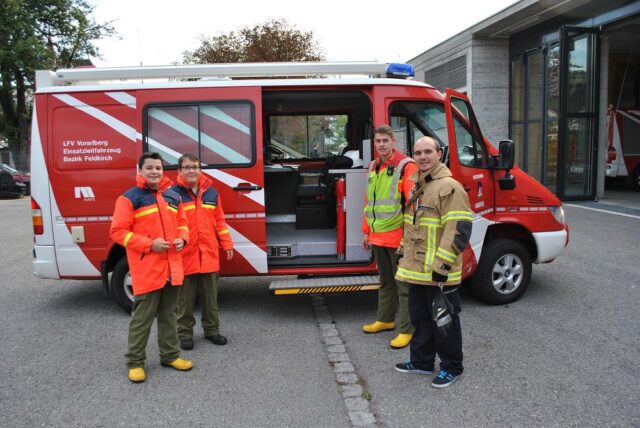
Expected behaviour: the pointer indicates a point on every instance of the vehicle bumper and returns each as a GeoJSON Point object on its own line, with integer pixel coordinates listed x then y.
{"type": "Point", "coordinates": [550, 244]}
{"type": "Point", "coordinates": [44, 263]}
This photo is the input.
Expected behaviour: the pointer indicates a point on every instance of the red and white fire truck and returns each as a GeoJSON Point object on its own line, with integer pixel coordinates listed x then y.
{"type": "Point", "coordinates": [623, 151]}
{"type": "Point", "coordinates": [288, 147]}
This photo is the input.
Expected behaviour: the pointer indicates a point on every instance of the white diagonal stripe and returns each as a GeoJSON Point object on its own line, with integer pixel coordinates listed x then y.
{"type": "Point", "coordinates": [103, 117]}
{"type": "Point", "coordinates": [250, 251]}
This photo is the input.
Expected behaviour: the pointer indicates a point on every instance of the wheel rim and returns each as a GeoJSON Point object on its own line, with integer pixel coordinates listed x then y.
{"type": "Point", "coordinates": [508, 273]}
{"type": "Point", "coordinates": [128, 286]}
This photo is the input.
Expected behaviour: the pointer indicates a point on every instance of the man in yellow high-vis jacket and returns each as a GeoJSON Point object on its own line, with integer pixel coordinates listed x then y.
{"type": "Point", "coordinates": [382, 231]}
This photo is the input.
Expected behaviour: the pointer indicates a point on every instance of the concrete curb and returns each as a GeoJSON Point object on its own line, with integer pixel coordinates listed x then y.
{"type": "Point", "coordinates": [347, 379]}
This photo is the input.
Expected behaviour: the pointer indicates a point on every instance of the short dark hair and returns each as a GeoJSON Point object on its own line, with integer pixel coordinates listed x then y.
{"type": "Point", "coordinates": [384, 130]}
{"type": "Point", "coordinates": [188, 156]}
{"type": "Point", "coordinates": [149, 155]}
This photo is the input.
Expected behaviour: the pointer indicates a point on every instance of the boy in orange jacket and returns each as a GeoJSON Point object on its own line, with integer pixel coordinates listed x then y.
{"type": "Point", "coordinates": [208, 231]}
{"type": "Point", "coordinates": [149, 222]}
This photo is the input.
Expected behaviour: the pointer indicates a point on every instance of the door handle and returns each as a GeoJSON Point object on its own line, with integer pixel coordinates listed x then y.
{"type": "Point", "coordinates": [246, 187]}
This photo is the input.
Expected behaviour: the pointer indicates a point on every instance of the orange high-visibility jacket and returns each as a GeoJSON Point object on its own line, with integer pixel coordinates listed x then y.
{"type": "Point", "coordinates": [391, 238]}
{"type": "Point", "coordinates": [140, 216]}
{"type": "Point", "coordinates": [207, 227]}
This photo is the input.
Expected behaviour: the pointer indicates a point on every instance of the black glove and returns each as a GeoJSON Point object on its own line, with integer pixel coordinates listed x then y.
{"type": "Point", "coordinates": [436, 277]}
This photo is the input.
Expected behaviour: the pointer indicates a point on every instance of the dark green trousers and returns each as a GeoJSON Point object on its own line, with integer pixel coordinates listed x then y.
{"type": "Point", "coordinates": [393, 297]}
{"type": "Point", "coordinates": [160, 304]}
{"type": "Point", "coordinates": [204, 285]}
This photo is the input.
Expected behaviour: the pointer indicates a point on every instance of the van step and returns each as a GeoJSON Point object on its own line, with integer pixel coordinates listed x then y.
{"type": "Point", "coordinates": [334, 284]}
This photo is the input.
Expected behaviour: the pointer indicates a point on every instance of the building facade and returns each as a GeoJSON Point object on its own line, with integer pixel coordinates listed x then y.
{"type": "Point", "coordinates": [544, 74]}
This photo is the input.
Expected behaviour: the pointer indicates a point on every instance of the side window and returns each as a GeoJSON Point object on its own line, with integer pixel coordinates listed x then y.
{"type": "Point", "coordinates": [471, 150]}
{"type": "Point", "coordinates": [219, 133]}
{"type": "Point", "coordinates": [411, 120]}
{"type": "Point", "coordinates": [306, 136]}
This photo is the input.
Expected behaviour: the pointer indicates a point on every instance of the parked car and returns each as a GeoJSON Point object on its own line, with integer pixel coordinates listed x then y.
{"type": "Point", "coordinates": [20, 177]}
{"type": "Point", "coordinates": [9, 187]}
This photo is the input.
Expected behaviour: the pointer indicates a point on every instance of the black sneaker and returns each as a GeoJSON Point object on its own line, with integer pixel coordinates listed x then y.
{"type": "Point", "coordinates": [218, 339]}
{"type": "Point", "coordinates": [409, 367]}
{"type": "Point", "coordinates": [186, 344]}
{"type": "Point", "coordinates": [443, 379]}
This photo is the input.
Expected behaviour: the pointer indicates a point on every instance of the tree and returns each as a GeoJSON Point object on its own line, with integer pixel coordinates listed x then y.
{"type": "Point", "coordinates": [40, 34]}
{"type": "Point", "coordinates": [273, 41]}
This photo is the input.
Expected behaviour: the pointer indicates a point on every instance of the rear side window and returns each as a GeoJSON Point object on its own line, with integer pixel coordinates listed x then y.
{"type": "Point", "coordinates": [221, 134]}
{"type": "Point", "coordinates": [307, 136]}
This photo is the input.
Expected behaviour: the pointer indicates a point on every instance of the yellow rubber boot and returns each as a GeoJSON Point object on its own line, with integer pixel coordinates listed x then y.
{"type": "Point", "coordinates": [180, 364]}
{"type": "Point", "coordinates": [137, 375]}
{"type": "Point", "coordinates": [401, 340]}
{"type": "Point", "coordinates": [378, 326]}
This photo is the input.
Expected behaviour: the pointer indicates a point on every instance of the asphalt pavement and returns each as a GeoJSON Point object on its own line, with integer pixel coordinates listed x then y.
{"type": "Point", "coordinates": [563, 355]}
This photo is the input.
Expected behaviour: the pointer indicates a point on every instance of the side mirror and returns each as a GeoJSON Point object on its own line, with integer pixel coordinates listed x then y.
{"type": "Point", "coordinates": [505, 161]}
{"type": "Point", "coordinates": [507, 154]}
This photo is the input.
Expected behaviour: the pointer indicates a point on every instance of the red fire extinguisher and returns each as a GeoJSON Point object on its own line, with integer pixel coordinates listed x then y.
{"type": "Point", "coordinates": [341, 218]}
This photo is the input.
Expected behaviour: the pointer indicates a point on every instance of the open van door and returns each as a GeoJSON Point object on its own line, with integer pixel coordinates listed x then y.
{"type": "Point", "coordinates": [469, 158]}
{"type": "Point", "coordinates": [223, 126]}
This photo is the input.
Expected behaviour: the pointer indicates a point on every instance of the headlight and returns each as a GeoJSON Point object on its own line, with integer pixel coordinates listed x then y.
{"type": "Point", "coordinates": [558, 214]}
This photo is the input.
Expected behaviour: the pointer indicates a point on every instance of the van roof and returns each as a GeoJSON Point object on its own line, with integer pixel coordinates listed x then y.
{"type": "Point", "coordinates": [219, 75]}
{"type": "Point", "coordinates": [124, 86]}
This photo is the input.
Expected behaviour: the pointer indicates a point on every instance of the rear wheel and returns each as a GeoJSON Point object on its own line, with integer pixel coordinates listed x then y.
{"type": "Point", "coordinates": [121, 286]}
{"type": "Point", "coordinates": [503, 272]}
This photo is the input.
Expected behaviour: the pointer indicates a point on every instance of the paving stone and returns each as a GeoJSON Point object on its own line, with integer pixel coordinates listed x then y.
{"type": "Point", "coordinates": [355, 404]}
{"type": "Point", "coordinates": [330, 332]}
{"type": "Point", "coordinates": [336, 348]}
{"type": "Point", "coordinates": [362, 419]}
{"type": "Point", "coordinates": [338, 357]}
{"type": "Point", "coordinates": [344, 367]}
{"type": "Point", "coordinates": [351, 390]}
{"type": "Point", "coordinates": [335, 340]}
{"type": "Point", "coordinates": [346, 378]}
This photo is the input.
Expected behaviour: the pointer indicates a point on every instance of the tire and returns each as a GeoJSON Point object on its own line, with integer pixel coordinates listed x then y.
{"type": "Point", "coordinates": [503, 272]}
{"type": "Point", "coordinates": [121, 289]}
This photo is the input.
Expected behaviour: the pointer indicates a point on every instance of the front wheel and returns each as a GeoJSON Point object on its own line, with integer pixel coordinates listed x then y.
{"type": "Point", "coordinates": [503, 272]}
{"type": "Point", "coordinates": [121, 286]}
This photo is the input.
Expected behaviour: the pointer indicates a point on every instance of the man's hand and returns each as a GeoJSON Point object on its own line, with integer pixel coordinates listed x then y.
{"type": "Point", "coordinates": [229, 254]}
{"type": "Point", "coordinates": [179, 244]}
{"type": "Point", "coordinates": [159, 245]}
{"type": "Point", "coordinates": [365, 241]}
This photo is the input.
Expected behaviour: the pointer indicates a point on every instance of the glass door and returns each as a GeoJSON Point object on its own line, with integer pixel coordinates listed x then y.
{"type": "Point", "coordinates": [578, 113]}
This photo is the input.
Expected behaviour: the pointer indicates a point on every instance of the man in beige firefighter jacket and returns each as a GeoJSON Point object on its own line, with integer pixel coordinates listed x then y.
{"type": "Point", "coordinates": [437, 228]}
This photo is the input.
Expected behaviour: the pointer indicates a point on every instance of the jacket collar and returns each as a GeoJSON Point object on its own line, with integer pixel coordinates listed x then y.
{"type": "Point", "coordinates": [203, 183]}
{"type": "Point", "coordinates": [437, 172]}
{"type": "Point", "coordinates": [165, 183]}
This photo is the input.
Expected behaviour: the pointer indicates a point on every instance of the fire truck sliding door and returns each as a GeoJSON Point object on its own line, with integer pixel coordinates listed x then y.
{"type": "Point", "coordinates": [223, 126]}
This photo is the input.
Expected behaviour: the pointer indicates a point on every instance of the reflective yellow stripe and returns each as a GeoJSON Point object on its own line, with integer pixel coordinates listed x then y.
{"type": "Point", "coordinates": [457, 215]}
{"type": "Point", "coordinates": [189, 207]}
{"type": "Point", "coordinates": [425, 277]}
{"type": "Point", "coordinates": [446, 255]}
{"type": "Point", "coordinates": [223, 232]}
{"type": "Point", "coordinates": [210, 207]}
{"type": "Point", "coordinates": [146, 212]}
{"type": "Point", "coordinates": [424, 221]}
{"type": "Point", "coordinates": [126, 238]}
{"type": "Point", "coordinates": [170, 208]}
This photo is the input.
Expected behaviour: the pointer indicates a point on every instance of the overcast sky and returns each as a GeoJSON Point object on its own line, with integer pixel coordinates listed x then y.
{"type": "Point", "coordinates": [157, 32]}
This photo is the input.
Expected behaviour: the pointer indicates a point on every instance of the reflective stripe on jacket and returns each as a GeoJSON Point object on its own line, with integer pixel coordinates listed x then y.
{"type": "Point", "coordinates": [207, 227]}
{"type": "Point", "coordinates": [437, 228]}
{"type": "Point", "coordinates": [140, 216]}
{"type": "Point", "coordinates": [382, 219]}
